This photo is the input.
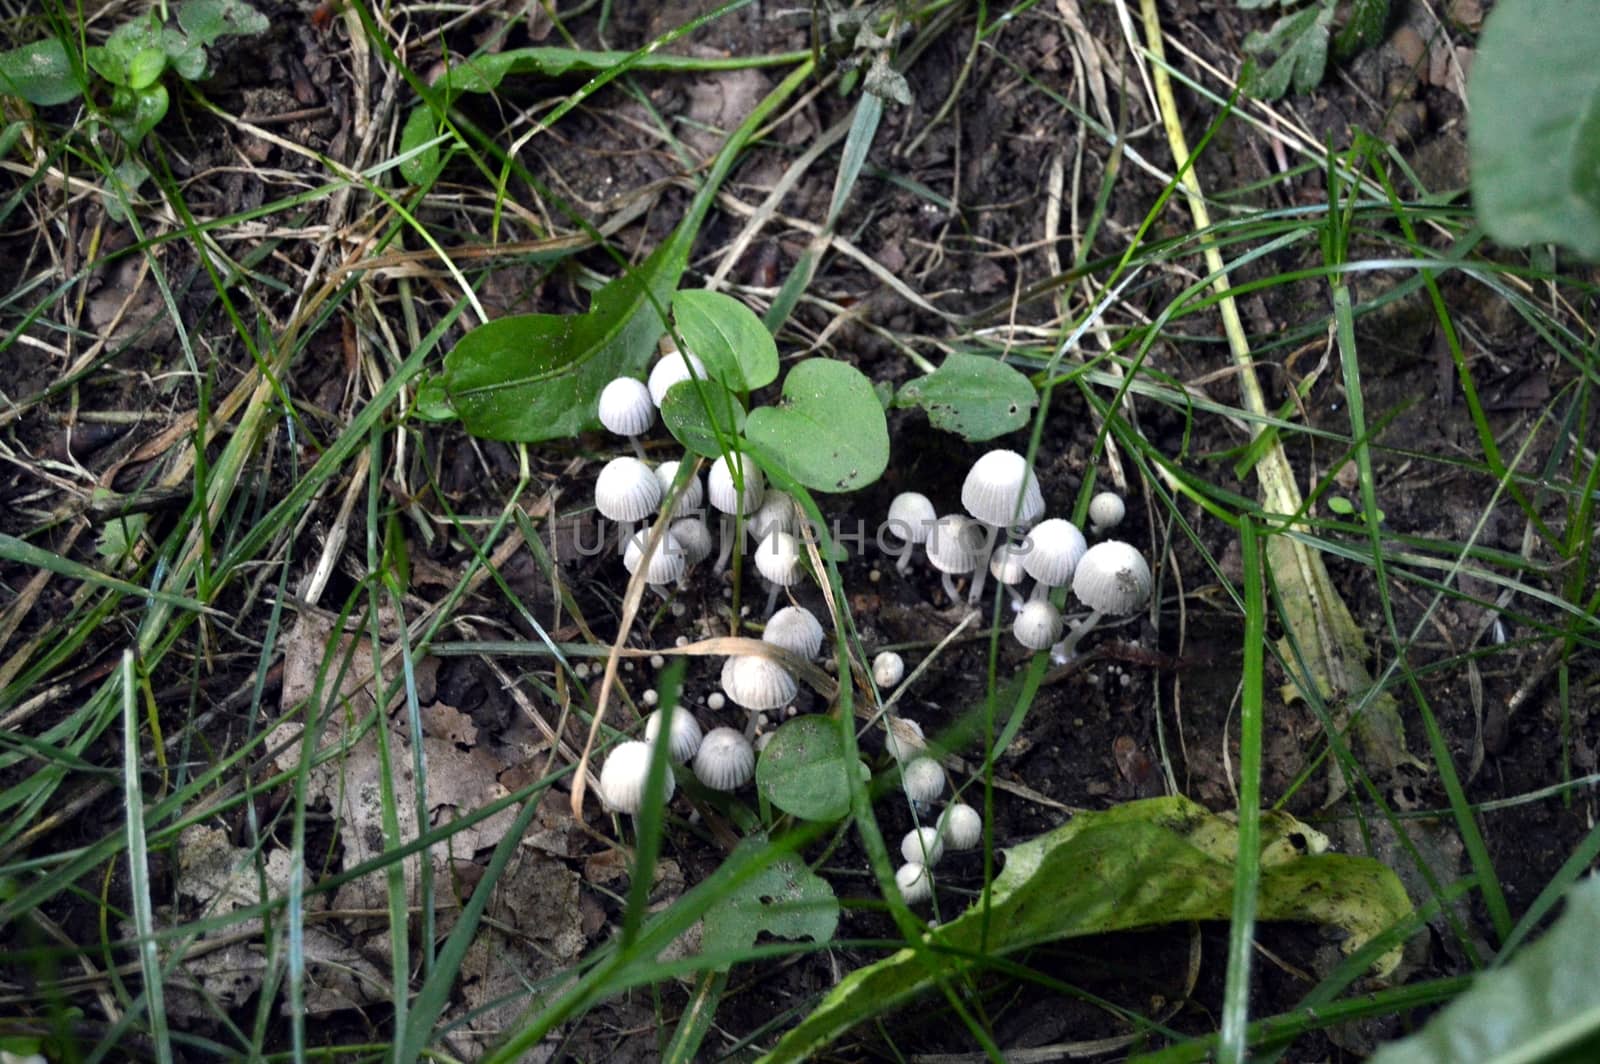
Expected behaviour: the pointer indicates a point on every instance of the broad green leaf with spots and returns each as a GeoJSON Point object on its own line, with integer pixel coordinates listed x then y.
{"type": "Point", "coordinates": [828, 430]}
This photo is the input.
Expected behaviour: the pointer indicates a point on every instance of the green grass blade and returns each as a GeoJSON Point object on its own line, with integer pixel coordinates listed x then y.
{"type": "Point", "coordinates": [139, 864]}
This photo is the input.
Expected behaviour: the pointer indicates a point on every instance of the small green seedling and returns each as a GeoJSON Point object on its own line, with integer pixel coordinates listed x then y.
{"type": "Point", "coordinates": [1344, 507]}
{"type": "Point", "coordinates": [1297, 43]}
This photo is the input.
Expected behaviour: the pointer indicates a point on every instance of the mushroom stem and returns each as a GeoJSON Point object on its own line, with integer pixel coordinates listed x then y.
{"type": "Point", "coordinates": [1041, 590]}
{"type": "Point", "coordinates": [772, 597]}
{"type": "Point", "coordinates": [903, 565]}
{"type": "Point", "coordinates": [638, 448]}
{"type": "Point", "coordinates": [1017, 601]}
{"type": "Point", "coordinates": [1067, 649]}
{"type": "Point", "coordinates": [950, 588]}
{"type": "Point", "coordinates": [726, 531]}
{"type": "Point", "coordinates": [980, 570]}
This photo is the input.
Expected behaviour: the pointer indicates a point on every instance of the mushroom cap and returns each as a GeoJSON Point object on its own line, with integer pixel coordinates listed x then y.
{"type": "Point", "coordinates": [923, 778]}
{"type": "Point", "coordinates": [795, 629]}
{"type": "Point", "coordinates": [922, 846]}
{"type": "Point", "coordinates": [757, 683]}
{"type": "Point", "coordinates": [994, 486]}
{"type": "Point", "coordinates": [961, 826]}
{"type": "Point", "coordinates": [911, 516]}
{"type": "Point", "coordinates": [626, 490]}
{"type": "Point", "coordinates": [888, 669]}
{"type": "Point", "coordinates": [776, 513]}
{"type": "Point", "coordinates": [694, 493]}
{"type": "Point", "coordinates": [671, 368]}
{"type": "Point", "coordinates": [904, 739]}
{"type": "Point", "coordinates": [954, 543]}
{"type": "Point", "coordinates": [1106, 510]}
{"type": "Point", "coordinates": [1007, 564]}
{"type": "Point", "coordinates": [623, 776]}
{"type": "Point", "coordinates": [723, 495]}
{"type": "Point", "coordinates": [694, 537]}
{"type": "Point", "coordinates": [667, 564]}
{"type": "Point", "coordinates": [778, 558]}
{"type": "Point", "coordinates": [915, 883]}
{"type": "Point", "coordinates": [685, 736]}
{"type": "Point", "coordinates": [1113, 578]}
{"type": "Point", "coordinates": [1053, 551]}
{"type": "Point", "coordinates": [726, 760]}
{"type": "Point", "coordinates": [1038, 624]}
{"type": "Point", "coordinates": [625, 407]}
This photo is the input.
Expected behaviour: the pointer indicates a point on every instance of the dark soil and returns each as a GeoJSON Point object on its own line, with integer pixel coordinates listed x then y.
{"type": "Point", "coordinates": [1155, 693]}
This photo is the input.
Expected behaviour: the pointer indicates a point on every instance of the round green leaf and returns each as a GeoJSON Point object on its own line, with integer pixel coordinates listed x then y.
{"type": "Point", "coordinates": [976, 398]}
{"type": "Point", "coordinates": [728, 337]}
{"type": "Point", "coordinates": [828, 430]}
{"type": "Point", "coordinates": [40, 73]}
{"type": "Point", "coordinates": [802, 770]}
{"type": "Point", "coordinates": [145, 68]}
{"type": "Point", "coordinates": [690, 419]}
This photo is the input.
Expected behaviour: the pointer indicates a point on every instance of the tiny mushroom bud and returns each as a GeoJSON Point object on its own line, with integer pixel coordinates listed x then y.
{"type": "Point", "coordinates": [626, 490]}
{"type": "Point", "coordinates": [904, 739]}
{"type": "Point", "coordinates": [623, 776]}
{"type": "Point", "coordinates": [888, 668]}
{"type": "Point", "coordinates": [669, 370]}
{"type": "Point", "coordinates": [795, 629]}
{"type": "Point", "coordinates": [911, 518]}
{"type": "Point", "coordinates": [953, 547]}
{"type": "Point", "coordinates": [684, 736]}
{"type": "Point", "coordinates": [1106, 511]}
{"type": "Point", "coordinates": [1001, 492]}
{"type": "Point", "coordinates": [924, 779]}
{"type": "Point", "coordinates": [961, 826]}
{"type": "Point", "coordinates": [694, 493]}
{"type": "Point", "coordinates": [1113, 578]}
{"type": "Point", "coordinates": [1038, 625]}
{"type": "Point", "coordinates": [915, 883]}
{"type": "Point", "coordinates": [726, 760]}
{"type": "Point", "coordinates": [626, 409]}
{"type": "Point", "coordinates": [922, 846]}
{"type": "Point", "coordinates": [757, 683]}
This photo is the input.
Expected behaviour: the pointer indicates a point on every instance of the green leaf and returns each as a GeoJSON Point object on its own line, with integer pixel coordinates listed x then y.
{"type": "Point", "coordinates": [1300, 41]}
{"type": "Point", "coordinates": [40, 73]}
{"type": "Point", "coordinates": [205, 21]}
{"type": "Point", "coordinates": [433, 402]}
{"type": "Point", "coordinates": [828, 430]}
{"type": "Point", "coordinates": [187, 58]}
{"type": "Point", "coordinates": [1534, 139]}
{"type": "Point", "coordinates": [145, 68]}
{"type": "Point", "coordinates": [1542, 1006]}
{"type": "Point", "coordinates": [1364, 28]}
{"type": "Point", "coordinates": [135, 113]}
{"type": "Point", "coordinates": [728, 337]}
{"type": "Point", "coordinates": [975, 397]}
{"type": "Point", "coordinates": [802, 770]}
{"type": "Point", "coordinates": [686, 417]}
{"type": "Point", "coordinates": [785, 899]}
{"type": "Point", "coordinates": [535, 377]}
{"type": "Point", "coordinates": [1143, 864]}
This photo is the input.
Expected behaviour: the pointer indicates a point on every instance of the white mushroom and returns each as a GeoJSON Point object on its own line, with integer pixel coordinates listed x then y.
{"type": "Point", "coordinates": [626, 409]}
{"type": "Point", "coordinates": [669, 370]}
{"type": "Point", "coordinates": [1051, 554]}
{"type": "Point", "coordinates": [795, 629]}
{"type": "Point", "coordinates": [683, 737]}
{"type": "Point", "coordinates": [922, 846]}
{"type": "Point", "coordinates": [1112, 578]}
{"type": "Point", "coordinates": [915, 883]}
{"type": "Point", "coordinates": [961, 826]}
{"type": "Point", "coordinates": [623, 777]}
{"type": "Point", "coordinates": [1007, 568]}
{"type": "Point", "coordinates": [1001, 492]}
{"type": "Point", "coordinates": [777, 513]}
{"type": "Point", "coordinates": [778, 560]}
{"type": "Point", "coordinates": [1038, 625]}
{"type": "Point", "coordinates": [904, 739]}
{"type": "Point", "coordinates": [667, 565]}
{"type": "Point", "coordinates": [923, 778]}
{"type": "Point", "coordinates": [726, 760]}
{"type": "Point", "coordinates": [888, 668]}
{"type": "Point", "coordinates": [911, 519]}
{"type": "Point", "coordinates": [694, 493]}
{"type": "Point", "coordinates": [733, 501]}
{"type": "Point", "coordinates": [756, 683]}
{"type": "Point", "coordinates": [953, 547]}
{"type": "Point", "coordinates": [1106, 511]}
{"type": "Point", "coordinates": [626, 491]}
{"type": "Point", "coordinates": [695, 539]}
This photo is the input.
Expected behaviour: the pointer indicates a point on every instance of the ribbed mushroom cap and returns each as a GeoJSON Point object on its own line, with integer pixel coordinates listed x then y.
{"type": "Point", "coordinates": [666, 565]}
{"type": "Point", "coordinates": [723, 495]}
{"type": "Point", "coordinates": [726, 761]}
{"type": "Point", "coordinates": [1106, 510]}
{"type": "Point", "coordinates": [922, 846]}
{"type": "Point", "coordinates": [1112, 577]}
{"type": "Point", "coordinates": [954, 544]}
{"type": "Point", "coordinates": [915, 883]}
{"type": "Point", "coordinates": [671, 368]}
{"type": "Point", "coordinates": [626, 490]}
{"type": "Point", "coordinates": [1053, 551]}
{"type": "Point", "coordinates": [778, 559]}
{"type": "Point", "coordinates": [993, 487]}
{"type": "Point", "coordinates": [756, 683]}
{"type": "Point", "coordinates": [961, 826]}
{"type": "Point", "coordinates": [904, 740]}
{"type": "Point", "coordinates": [795, 629]}
{"type": "Point", "coordinates": [625, 407]}
{"type": "Point", "coordinates": [623, 776]}
{"type": "Point", "coordinates": [694, 537]}
{"type": "Point", "coordinates": [694, 493]}
{"type": "Point", "coordinates": [923, 778]}
{"type": "Point", "coordinates": [685, 737]}
{"type": "Point", "coordinates": [1038, 624]}
{"type": "Point", "coordinates": [888, 669]}
{"type": "Point", "coordinates": [911, 516]}
{"type": "Point", "coordinates": [1006, 564]}
{"type": "Point", "coordinates": [775, 514]}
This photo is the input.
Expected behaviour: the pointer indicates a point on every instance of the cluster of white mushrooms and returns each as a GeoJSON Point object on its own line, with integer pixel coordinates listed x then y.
{"type": "Point", "coordinates": [1002, 535]}
{"type": "Point", "coordinates": [959, 826]}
